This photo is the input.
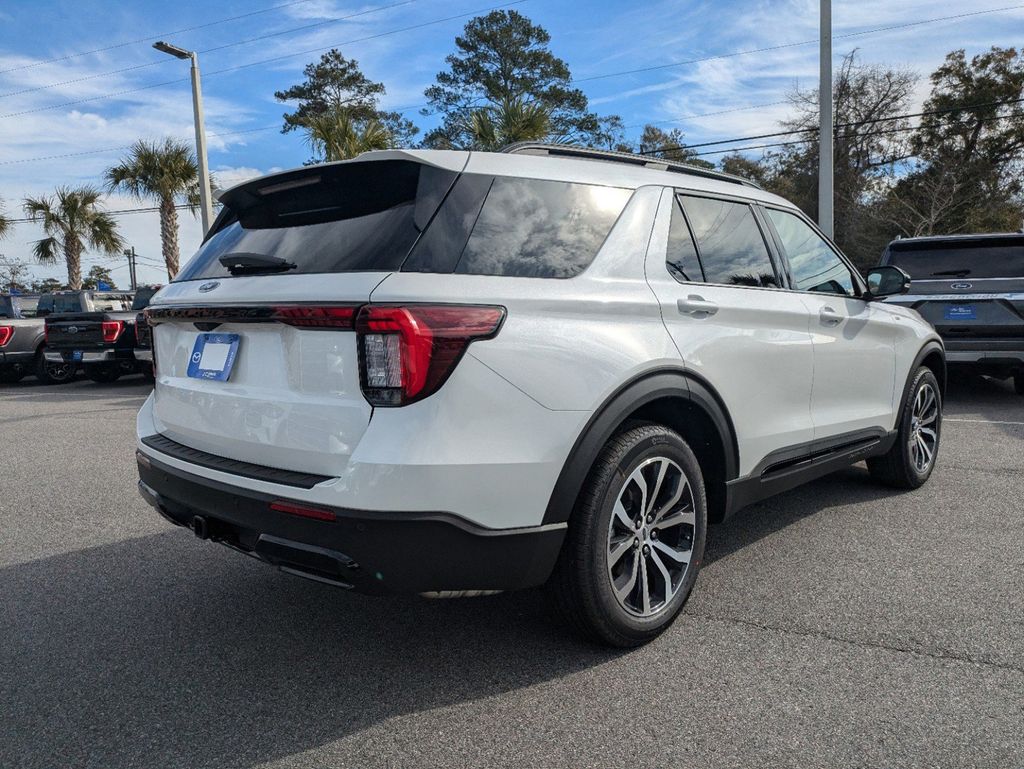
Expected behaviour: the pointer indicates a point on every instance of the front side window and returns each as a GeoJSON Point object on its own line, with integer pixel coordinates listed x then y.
{"type": "Point", "coordinates": [732, 248]}
{"type": "Point", "coordinates": [540, 229]}
{"type": "Point", "coordinates": [812, 262]}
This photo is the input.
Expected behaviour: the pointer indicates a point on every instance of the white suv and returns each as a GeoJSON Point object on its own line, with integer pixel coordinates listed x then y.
{"type": "Point", "coordinates": [461, 372]}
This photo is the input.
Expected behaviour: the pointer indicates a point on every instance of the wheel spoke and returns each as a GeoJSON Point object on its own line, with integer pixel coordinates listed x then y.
{"type": "Point", "coordinates": [685, 515]}
{"type": "Point", "coordinates": [623, 592]}
{"type": "Point", "coordinates": [652, 500]}
{"type": "Point", "coordinates": [679, 556]}
{"type": "Point", "coordinates": [927, 453]}
{"type": "Point", "coordinates": [619, 550]}
{"type": "Point", "coordinates": [929, 433]}
{"type": "Point", "coordinates": [665, 576]}
{"type": "Point", "coordinates": [645, 588]}
{"type": "Point", "coordinates": [622, 515]}
{"type": "Point", "coordinates": [681, 486]}
{"type": "Point", "coordinates": [638, 478]}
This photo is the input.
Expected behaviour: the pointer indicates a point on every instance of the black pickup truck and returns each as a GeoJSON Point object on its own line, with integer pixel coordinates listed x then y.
{"type": "Point", "coordinates": [971, 288]}
{"type": "Point", "coordinates": [94, 329]}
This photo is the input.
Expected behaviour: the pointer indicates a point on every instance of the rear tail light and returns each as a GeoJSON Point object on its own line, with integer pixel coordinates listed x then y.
{"type": "Point", "coordinates": [309, 316]}
{"type": "Point", "coordinates": [6, 332]}
{"type": "Point", "coordinates": [112, 330]}
{"type": "Point", "coordinates": [406, 353]}
{"type": "Point", "coordinates": [46, 332]}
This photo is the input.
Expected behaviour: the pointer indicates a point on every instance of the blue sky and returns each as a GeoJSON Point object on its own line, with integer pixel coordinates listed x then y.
{"type": "Point", "coordinates": [151, 97]}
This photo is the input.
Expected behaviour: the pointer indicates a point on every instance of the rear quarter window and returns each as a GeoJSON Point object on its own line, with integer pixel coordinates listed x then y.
{"type": "Point", "coordinates": [533, 228]}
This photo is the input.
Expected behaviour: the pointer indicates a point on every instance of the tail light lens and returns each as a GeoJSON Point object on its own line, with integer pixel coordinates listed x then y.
{"type": "Point", "coordinates": [112, 330]}
{"type": "Point", "coordinates": [406, 353]}
{"type": "Point", "coordinates": [310, 316]}
{"type": "Point", "coordinates": [6, 332]}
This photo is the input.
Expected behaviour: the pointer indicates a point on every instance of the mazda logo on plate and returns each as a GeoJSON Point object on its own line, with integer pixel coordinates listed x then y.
{"type": "Point", "coordinates": [953, 285]}
{"type": "Point", "coordinates": [72, 329]}
{"type": "Point", "coordinates": [208, 286]}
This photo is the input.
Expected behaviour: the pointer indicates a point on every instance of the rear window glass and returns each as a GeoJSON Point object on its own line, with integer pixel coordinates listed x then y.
{"type": "Point", "coordinates": [61, 303]}
{"type": "Point", "coordinates": [111, 302]}
{"type": "Point", "coordinates": [540, 229]}
{"type": "Point", "coordinates": [729, 240]}
{"type": "Point", "coordinates": [681, 258]}
{"type": "Point", "coordinates": [356, 217]}
{"type": "Point", "coordinates": [996, 258]}
{"type": "Point", "coordinates": [143, 297]}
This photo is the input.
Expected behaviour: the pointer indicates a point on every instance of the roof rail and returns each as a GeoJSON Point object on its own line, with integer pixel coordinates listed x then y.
{"type": "Point", "coordinates": [655, 164]}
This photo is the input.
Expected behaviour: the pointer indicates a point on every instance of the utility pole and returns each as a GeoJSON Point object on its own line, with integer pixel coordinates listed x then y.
{"type": "Point", "coordinates": [130, 253]}
{"type": "Point", "coordinates": [825, 138]}
{"type": "Point", "coordinates": [205, 196]}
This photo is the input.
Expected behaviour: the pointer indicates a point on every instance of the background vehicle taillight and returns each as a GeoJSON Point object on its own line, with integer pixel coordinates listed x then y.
{"type": "Point", "coordinates": [406, 353]}
{"type": "Point", "coordinates": [112, 330]}
{"type": "Point", "coordinates": [6, 332]}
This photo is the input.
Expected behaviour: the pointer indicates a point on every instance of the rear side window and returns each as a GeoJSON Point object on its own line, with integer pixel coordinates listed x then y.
{"type": "Point", "coordinates": [815, 266]}
{"type": "Point", "coordinates": [351, 217]}
{"type": "Point", "coordinates": [540, 229]}
{"type": "Point", "coordinates": [988, 258]}
{"type": "Point", "coordinates": [681, 258]}
{"type": "Point", "coordinates": [731, 246]}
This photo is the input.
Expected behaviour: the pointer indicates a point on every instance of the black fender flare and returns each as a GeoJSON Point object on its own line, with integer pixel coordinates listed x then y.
{"type": "Point", "coordinates": [929, 347]}
{"type": "Point", "coordinates": [668, 382]}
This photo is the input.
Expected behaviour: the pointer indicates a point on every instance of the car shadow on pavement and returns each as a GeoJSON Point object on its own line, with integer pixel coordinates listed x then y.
{"type": "Point", "coordinates": [164, 651]}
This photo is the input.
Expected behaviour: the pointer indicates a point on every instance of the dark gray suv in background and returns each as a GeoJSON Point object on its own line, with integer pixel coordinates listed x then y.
{"type": "Point", "coordinates": [971, 288]}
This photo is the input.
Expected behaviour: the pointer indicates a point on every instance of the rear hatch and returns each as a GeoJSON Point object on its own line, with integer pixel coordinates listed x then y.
{"type": "Point", "coordinates": [970, 289]}
{"type": "Point", "coordinates": [256, 357]}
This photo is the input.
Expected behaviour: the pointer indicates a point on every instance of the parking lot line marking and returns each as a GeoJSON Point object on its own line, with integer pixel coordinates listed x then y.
{"type": "Point", "coordinates": [982, 421]}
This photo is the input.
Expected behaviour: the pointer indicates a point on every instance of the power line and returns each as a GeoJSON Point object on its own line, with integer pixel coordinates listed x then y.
{"type": "Point", "coordinates": [852, 124]}
{"type": "Point", "coordinates": [165, 60]}
{"type": "Point", "coordinates": [782, 46]}
{"type": "Point", "coordinates": [270, 60]}
{"type": "Point", "coordinates": [151, 37]}
{"type": "Point", "coordinates": [115, 212]}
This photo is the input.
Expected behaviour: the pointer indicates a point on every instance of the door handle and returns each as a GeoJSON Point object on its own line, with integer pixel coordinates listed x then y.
{"type": "Point", "coordinates": [696, 306]}
{"type": "Point", "coordinates": [830, 317]}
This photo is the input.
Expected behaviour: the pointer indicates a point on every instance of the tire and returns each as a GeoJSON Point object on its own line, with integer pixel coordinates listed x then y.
{"type": "Point", "coordinates": [11, 375]}
{"type": "Point", "coordinates": [606, 603]}
{"type": "Point", "coordinates": [909, 464]}
{"type": "Point", "coordinates": [53, 373]}
{"type": "Point", "coordinates": [103, 374]}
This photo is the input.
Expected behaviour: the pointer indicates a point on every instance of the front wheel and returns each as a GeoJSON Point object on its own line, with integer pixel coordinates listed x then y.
{"type": "Point", "coordinates": [910, 461]}
{"type": "Point", "coordinates": [635, 540]}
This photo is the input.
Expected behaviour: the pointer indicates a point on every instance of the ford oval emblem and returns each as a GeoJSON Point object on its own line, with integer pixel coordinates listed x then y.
{"type": "Point", "coordinates": [72, 329]}
{"type": "Point", "coordinates": [206, 287]}
{"type": "Point", "coordinates": [952, 285]}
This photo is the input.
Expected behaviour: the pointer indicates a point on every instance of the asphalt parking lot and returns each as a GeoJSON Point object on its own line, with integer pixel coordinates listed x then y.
{"type": "Point", "coordinates": [841, 624]}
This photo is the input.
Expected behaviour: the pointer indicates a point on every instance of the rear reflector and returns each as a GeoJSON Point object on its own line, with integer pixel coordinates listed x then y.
{"type": "Point", "coordinates": [406, 353]}
{"type": "Point", "coordinates": [303, 512]}
{"type": "Point", "coordinates": [112, 330]}
{"type": "Point", "coordinates": [6, 332]}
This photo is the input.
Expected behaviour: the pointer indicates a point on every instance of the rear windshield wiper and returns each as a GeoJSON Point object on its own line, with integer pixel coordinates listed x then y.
{"type": "Point", "coordinates": [249, 263]}
{"type": "Point", "coordinates": [953, 273]}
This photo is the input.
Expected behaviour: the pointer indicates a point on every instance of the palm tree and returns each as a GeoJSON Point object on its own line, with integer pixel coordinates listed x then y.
{"type": "Point", "coordinates": [166, 173]}
{"type": "Point", "coordinates": [72, 219]}
{"type": "Point", "coordinates": [512, 120]}
{"type": "Point", "coordinates": [5, 223]}
{"type": "Point", "coordinates": [337, 135]}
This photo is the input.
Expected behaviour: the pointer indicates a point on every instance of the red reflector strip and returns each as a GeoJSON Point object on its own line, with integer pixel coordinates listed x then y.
{"type": "Point", "coordinates": [304, 512]}
{"type": "Point", "coordinates": [307, 316]}
{"type": "Point", "coordinates": [6, 332]}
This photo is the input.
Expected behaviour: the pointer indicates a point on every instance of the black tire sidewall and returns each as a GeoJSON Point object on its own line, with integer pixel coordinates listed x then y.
{"type": "Point", "coordinates": [663, 443]}
{"type": "Point", "coordinates": [43, 371]}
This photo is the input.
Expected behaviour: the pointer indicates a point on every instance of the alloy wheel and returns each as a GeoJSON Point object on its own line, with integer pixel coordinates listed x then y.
{"type": "Point", "coordinates": [650, 536]}
{"type": "Point", "coordinates": [924, 423]}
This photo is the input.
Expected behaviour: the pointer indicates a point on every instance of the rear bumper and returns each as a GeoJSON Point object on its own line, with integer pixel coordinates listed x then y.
{"type": "Point", "coordinates": [23, 358]}
{"type": "Point", "coordinates": [146, 355]}
{"type": "Point", "coordinates": [371, 552]}
{"type": "Point", "coordinates": [97, 356]}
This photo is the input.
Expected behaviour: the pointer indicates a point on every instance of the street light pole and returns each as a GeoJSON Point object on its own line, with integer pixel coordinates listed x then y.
{"type": "Point", "coordinates": [205, 196]}
{"type": "Point", "coordinates": [825, 138]}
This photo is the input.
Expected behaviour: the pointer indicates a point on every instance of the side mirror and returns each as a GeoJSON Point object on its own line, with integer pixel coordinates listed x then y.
{"type": "Point", "coordinates": [887, 281]}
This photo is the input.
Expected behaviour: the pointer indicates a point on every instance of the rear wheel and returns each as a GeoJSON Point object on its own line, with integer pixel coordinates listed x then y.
{"type": "Point", "coordinates": [53, 372]}
{"type": "Point", "coordinates": [104, 374]}
{"type": "Point", "coordinates": [910, 461]}
{"type": "Point", "coordinates": [635, 539]}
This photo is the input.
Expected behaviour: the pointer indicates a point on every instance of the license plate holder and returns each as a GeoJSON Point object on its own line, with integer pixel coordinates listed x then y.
{"type": "Point", "coordinates": [960, 312]}
{"type": "Point", "coordinates": [74, 356]}
{"type": "Point", "coordinates": [213, 356]}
